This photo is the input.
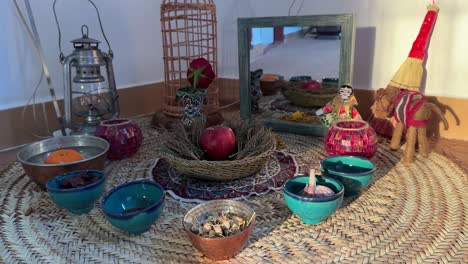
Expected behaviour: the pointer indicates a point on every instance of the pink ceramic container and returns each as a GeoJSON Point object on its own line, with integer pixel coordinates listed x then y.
{"type": "Point", "coordinates": [351, 138]}
{"type": "Point", "coordinates": [123, 135]}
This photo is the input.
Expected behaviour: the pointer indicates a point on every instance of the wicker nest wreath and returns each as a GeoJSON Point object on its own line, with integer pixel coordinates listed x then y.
{"type": "Point", "coordinates": [294, 93]}
{"type": "Point", "coordinates": [255, 145]}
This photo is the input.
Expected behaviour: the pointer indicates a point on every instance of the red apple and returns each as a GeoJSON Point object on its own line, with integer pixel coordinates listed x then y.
{"type": "Point", "coordinates": [312, 85]}
{"type": "Point", "coordinates": [218, 143]}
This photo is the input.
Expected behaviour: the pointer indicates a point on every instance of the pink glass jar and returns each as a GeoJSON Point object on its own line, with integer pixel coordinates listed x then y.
{"type": "Point", "coordinates": [123, 135]}
{"type": "Point", "coordinates": [351, 137]}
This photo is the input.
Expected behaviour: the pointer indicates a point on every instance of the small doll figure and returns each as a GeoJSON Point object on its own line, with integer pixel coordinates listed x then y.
{"type": "Point", "coordinates": [340, 108]}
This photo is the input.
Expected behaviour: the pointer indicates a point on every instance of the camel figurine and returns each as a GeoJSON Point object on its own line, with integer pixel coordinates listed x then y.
{"type": "Point", "coordinates": [412, 111]}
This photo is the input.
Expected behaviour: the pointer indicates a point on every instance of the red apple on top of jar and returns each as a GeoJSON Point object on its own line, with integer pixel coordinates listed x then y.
{"type": "Point", "coordinates": [218, 142]}
{"type": "Point", "coordinates": [311, 85]}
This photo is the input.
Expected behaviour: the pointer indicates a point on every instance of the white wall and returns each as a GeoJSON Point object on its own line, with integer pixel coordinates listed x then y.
{"type": "Point", "coordinates": [385, 32]}
{"type": "Point", "coordinates": [132, 27]}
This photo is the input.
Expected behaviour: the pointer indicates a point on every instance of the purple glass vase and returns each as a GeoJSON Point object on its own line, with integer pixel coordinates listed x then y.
{"type": "Point", "coordinates": [123, 135]}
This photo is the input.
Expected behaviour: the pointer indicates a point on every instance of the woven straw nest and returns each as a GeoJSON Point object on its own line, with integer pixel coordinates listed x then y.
{"type": "Point", "coordinates": [255, 145]}
{"type": "Point", "coordinates": [294, 93]}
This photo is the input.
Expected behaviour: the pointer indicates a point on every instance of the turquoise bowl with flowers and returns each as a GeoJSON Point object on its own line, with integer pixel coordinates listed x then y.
{"type": "Point", "coordinates": [355, 173]}
{"type": "Point", "coordinates": [134, 206]}
{"type": "Point", "coordinates": [312, 210]}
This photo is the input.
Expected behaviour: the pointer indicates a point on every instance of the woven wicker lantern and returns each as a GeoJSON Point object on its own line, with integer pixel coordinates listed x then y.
{"type": "Point", "coordinates": [188, 32]}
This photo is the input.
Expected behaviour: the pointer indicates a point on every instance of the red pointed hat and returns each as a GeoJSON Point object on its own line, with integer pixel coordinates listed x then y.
{"type": "Point", "coordinates": [410, 73]}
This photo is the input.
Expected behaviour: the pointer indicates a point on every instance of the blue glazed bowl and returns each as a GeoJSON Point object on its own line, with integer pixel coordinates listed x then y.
{"type": "Point", "coordinates": [79, 200]}
{"type": "Point", "coordinates": [312, 210]}
{"type": "Point", "coordinates": [134, 206]}
{"type": "Point", "coordinates": [355, 173]}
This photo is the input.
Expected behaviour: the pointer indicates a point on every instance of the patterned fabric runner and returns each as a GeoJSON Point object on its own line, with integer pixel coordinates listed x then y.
{"type": "Point", "coordinates": [280, 168]}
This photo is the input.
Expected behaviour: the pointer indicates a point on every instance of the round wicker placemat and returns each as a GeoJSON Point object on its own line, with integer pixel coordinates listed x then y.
{"type": "Point", "coordinates": [411, 213]}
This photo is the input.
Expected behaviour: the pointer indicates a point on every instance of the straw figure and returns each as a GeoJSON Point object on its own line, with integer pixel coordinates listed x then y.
{"type": "Point", "coordinates": [412, 112]}
{"type": "Point", "coordinates": [402, 100]}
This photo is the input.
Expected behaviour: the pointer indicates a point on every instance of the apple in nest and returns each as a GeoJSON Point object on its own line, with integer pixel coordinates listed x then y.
{"type": "Point", "coordinates": [218, 143]}
{"type": "Point", "coordinates": [312, 85]}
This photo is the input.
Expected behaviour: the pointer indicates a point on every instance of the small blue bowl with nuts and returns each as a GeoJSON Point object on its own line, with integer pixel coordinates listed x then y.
{"type": "Point", "coordinates": [77, 191]}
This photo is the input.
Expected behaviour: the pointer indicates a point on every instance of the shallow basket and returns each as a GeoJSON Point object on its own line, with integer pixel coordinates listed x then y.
{"type": "Point", "coordinates": [293, 92]}
{"type": "Point", "coordinates": [224, 170]}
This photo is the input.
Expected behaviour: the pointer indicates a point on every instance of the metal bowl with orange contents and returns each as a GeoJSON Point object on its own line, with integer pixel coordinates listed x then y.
{"type": "Point", "coordinates": [270, 84]}
{"type": "Point", "coordinates": [35, 158]}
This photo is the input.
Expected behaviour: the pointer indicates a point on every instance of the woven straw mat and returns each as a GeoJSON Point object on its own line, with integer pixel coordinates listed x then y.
{"type": "Point", "coordinates": [411, 213]}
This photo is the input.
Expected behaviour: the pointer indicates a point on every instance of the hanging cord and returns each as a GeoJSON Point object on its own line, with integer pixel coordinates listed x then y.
{"type": "Point", "coordinates": [290, 7]}
{"type": "Point", "coordinates": [34, 95]}
{"type": "Point", "coordinates": [228, 105]}
{"type": "Point", "coordinates": [62, 57]}
{"type": "Point", "coordinates": [33, 105]}
{"type": "Point", "coordinates": [298, 10]}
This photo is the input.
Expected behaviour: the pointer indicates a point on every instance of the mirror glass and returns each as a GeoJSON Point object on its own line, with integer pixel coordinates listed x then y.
{"type": "Point", "coordinates": [294, 71]}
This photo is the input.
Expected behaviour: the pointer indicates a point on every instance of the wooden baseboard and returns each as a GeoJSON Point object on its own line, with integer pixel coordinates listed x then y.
{"type": "Point", "coordinates": [134, 101]}
{"type": "Point", "coordinates": [17, 130]}
{"type": "Point", "coordinates": [145, 99]}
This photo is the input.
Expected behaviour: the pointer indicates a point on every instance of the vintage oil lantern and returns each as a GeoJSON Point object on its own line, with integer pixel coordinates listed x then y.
{"type": "Point", "coordinates": [90, 97]}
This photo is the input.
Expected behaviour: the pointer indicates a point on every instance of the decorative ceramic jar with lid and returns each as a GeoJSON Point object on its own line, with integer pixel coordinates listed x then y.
{"type": "Point", "coordinates": [123, 135]}
{"type": "Point", "coordinates": [351, 137]}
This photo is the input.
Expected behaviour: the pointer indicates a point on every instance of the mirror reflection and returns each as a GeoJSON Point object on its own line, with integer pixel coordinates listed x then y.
{"type": "Point", "coordinates": [293, 71]}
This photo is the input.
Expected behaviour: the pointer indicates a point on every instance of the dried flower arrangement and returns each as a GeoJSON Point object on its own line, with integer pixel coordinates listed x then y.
{"type": "Point", "coordinates": [301, 117]}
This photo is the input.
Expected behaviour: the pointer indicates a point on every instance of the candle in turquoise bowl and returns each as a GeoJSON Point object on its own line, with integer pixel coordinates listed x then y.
{"type": "Point", "coordinates": [312, 210]}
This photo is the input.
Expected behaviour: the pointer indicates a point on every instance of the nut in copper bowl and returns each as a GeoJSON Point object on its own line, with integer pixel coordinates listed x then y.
{"type": "Point", "coordinates": [219, 229]}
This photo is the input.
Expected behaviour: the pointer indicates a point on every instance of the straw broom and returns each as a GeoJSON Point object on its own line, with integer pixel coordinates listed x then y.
{"type": "Point", "coordinates": [410, 73]}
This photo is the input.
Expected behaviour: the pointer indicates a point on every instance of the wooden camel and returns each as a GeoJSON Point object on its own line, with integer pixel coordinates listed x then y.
{"type": "Point", "coordinates": [412, 111]}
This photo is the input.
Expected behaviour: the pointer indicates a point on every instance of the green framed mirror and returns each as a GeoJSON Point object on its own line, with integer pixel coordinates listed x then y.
{"type": "Point", "coordinates": [289, 67]}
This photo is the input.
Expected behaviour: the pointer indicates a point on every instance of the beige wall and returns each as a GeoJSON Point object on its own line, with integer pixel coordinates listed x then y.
{"type": "Point", "coordinates": [385, 32]}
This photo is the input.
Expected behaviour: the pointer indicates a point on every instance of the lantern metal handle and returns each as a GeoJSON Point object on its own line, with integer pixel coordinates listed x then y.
{"type": "Point", "coordinates": [83, 27]}
{"type": "Point", "coordinates": [62, 57]}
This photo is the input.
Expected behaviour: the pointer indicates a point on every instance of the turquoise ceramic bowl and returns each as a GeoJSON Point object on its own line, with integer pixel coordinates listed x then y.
{"type": "Point", "coordinates": [355, 173]}
{"type": "Point", "coordinates": [79, 200]}
{"type": "Point", "coordinates": [134, 206]}
{"type": "Point", "coordinates": [312, 210]}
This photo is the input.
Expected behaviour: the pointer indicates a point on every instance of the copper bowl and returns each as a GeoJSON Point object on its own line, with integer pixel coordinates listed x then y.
{"type": "Point", "coordinates": [93, 149]}
{"type": "Point", "coordinates": [271, 87]}
{"type": "Point", "coordinates": [225, 247]}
